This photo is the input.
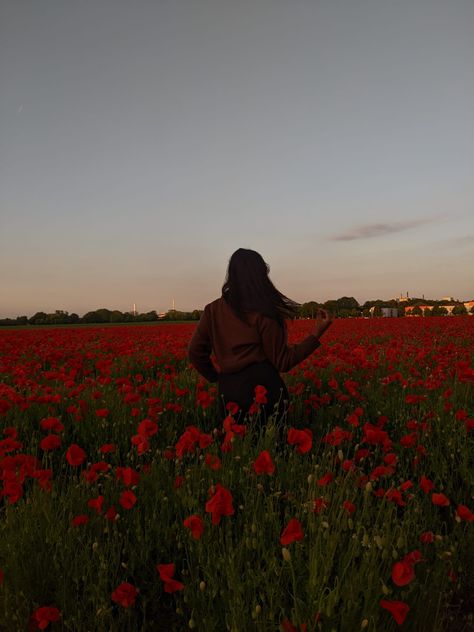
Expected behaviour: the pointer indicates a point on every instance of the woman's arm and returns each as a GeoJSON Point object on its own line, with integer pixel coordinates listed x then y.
{"type": "Point", "coordinates": [275, 345]}
{"type": "Point", "coordinates": [200, 349]}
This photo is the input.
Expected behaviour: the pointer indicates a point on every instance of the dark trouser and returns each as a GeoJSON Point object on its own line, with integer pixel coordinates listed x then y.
{"type": "Point", "coordinates": [240, 388]}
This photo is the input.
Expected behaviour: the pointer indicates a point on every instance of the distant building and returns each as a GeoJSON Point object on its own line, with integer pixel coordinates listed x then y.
{"type": "Point", "coordinates": [387, 312]}
{"type": "Point", "coordinates": [469, 305]}
{"type": "Point", "coordinates": [410, 308]}
{"type": "Point", "coordinates": [449, 308]}
{"type": "Point", "coordinates": [402, 299]}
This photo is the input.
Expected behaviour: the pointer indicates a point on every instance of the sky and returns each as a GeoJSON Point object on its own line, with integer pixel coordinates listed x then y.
{"type": "Point", "coordinates": [143, 142]}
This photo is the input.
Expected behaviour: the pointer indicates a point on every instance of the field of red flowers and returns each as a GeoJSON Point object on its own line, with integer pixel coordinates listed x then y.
{"type": "Point", "coordinates": [125, 506]}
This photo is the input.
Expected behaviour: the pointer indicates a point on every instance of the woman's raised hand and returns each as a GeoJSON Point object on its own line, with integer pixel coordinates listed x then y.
{"type": "Point", "coordinates": [324, 320]}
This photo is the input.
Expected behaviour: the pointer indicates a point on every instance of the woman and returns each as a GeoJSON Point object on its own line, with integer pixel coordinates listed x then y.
{"type": "Point", "coordinates": [246, 330]}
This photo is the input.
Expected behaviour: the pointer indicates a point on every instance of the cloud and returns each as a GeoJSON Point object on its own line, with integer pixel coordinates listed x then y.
{"type": "Point", "coordinates": [377, 230]}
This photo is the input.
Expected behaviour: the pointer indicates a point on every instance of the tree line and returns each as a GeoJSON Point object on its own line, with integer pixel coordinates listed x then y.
{"type": "Point", "coordinates": [344, 307]}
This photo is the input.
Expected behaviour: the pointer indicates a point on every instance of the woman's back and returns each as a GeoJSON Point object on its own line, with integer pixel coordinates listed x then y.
{"type": "Point", "coordinates": [246, 330]}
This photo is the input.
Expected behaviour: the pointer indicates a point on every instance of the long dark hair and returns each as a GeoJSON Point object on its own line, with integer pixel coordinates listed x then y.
{"type": "Point", "coordinates": [247, 288]}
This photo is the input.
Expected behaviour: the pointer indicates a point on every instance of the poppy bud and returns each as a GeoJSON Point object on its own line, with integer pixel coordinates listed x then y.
{"type": "Point", "coordinates": [202, 586]}
{"type": "Point", "coordinates": [286, 554]}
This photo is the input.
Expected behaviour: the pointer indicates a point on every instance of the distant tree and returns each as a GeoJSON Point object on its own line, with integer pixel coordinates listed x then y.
{"type": "Point", "coordinates": [436, 311]}
{"type": "Point", "coordinates": [97, 316]}
{"type": "Point", "coordinates": [416, 311]}
{"type": "Point", "coordinates": [116, 316]}
{"type": "Point", "coordinates": [196, 315]}
{"type": "Point", "coordinates": [459, 310]}
{"type": "Point", "coordinates": [40, 318]}
{"type": "Point", "coordinates": [347, 303]}
{"type": "Point", "coordinates": [309, 309]}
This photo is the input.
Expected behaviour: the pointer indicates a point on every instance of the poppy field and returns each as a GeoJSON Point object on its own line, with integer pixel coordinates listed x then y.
{"type": "Point", "coordinates": [125, 505]}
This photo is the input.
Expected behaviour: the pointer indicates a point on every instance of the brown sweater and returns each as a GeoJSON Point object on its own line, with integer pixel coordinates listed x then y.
{"type": "Point", "coordinates": [236, 345]}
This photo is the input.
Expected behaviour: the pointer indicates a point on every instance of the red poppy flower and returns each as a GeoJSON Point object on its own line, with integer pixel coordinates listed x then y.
{"type": "Point", "coordinates": [381, 470]}
{"type": "Point", "coordinates": [205, 440]}
{"type": "Point", "coordinates": [292, 532]}
{"type": "Point", "coordinates": [260, 394]}
{"type": "Point", "coordinates": [375, 435]}
{"type": "Point", "coordinates": [12, 490]}
{"type": "Point", "coordinates": [2, 576]}
{"type": "Point", "coordinates": [288, 626]}
{"type": "Point", "coordinates": [102, 413]}
{"type": "Point", "coordinates": [427, 537]}
{"type": "Point", "coordinates": [348, 506]}
{"type": "Point", "coordinates": [319, 505]}
{"type": "Point", "coordinates": [147, 428]}
{"type": "Point", "coordinates": [75, 455]}
{"type": "Point", "coordinates": [125, 594]}
{"type": "Point", "coordinates": [465, 513]}
{"type": "Point", "coordinates": [127, 499]}
{"type": "Point", "coordinates": [45, 615]}
{"type": "Point", "coordinates": [326, 479]}
{"type": "Point", "coordinates": [426, 485]}
{"type": "Point", "coordinates": [337, 436]}
{"type": "Point", "coordinates": [220, 504]}
{"type": "Point", "coordinates": [107, 448]}
{"type": "Point", "coordinates": [353, 420]}
{"type": "Point", "coordinates": [96, 503]}
{"type": "Point", "coordinates": [166, 572]}
{"type": "Point", "coordinates": [111, 513]}
{"type": "Point", "coordinates": [187, 441]}
{"type": "Point", "coordinates": [303, 439]}
{"type": "Point", "coordinates": [398, 609]}
{"type": "Point", "coordinates": [232, 408]}
{"type": "Point", "coordinates": [50, 442]}
{"type": "Point", "coordinates": [403, 573]}
{"type": "Point", "coordinates": [239, 429]}
{"type": "Point", "coordinates": [78, 521]}
{"type": "Point", "coordinates": [213, 461]}
{"type": "Point", "coordinates": [51, 423]}
{"type": "Point", "coordinates": [395, 496]}
{"type": "Point", "coordinates": [440, 499]}
{"type": "Point", "coordinates": [390, 459]}
{"type": "Point", "coordinates": [409, 440]}
{"type": "Point", "coordinates": [178, 481]}
{"type": "Point", "coordinates": [195, 524]}
{"type": "Point", "coordinates": [263, 464]}
{"type": "Point", "coordinates": [127, 475]}
{"type": "Point", "coordinates": [44, 478]}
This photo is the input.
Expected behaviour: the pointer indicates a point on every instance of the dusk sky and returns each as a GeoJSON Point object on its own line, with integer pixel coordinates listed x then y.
{"type": "Point", "coordinates": [142, 142]}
